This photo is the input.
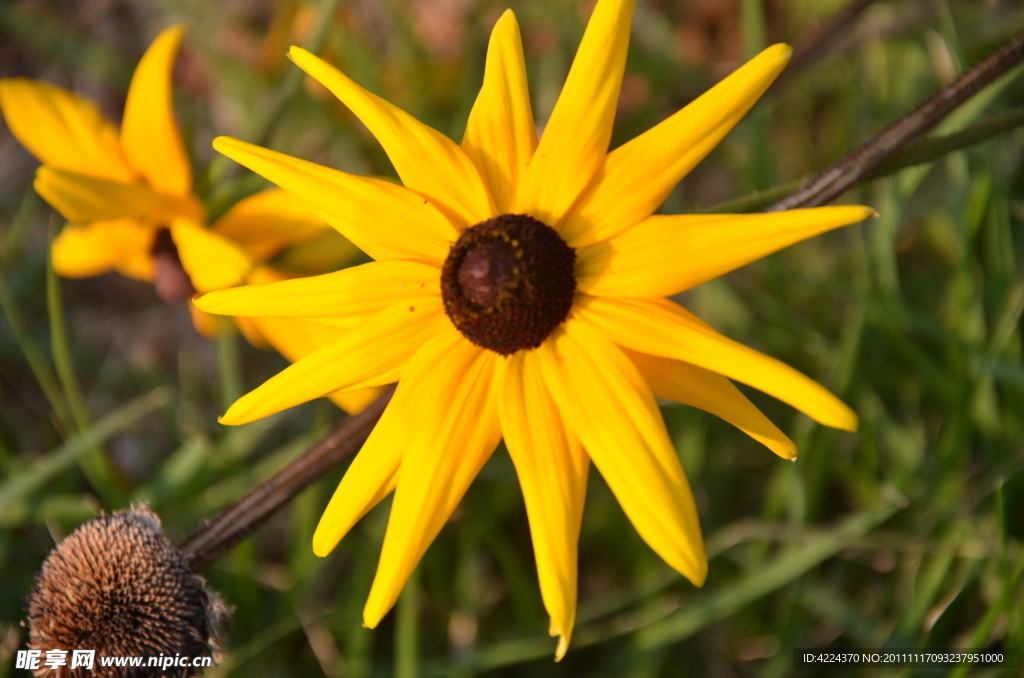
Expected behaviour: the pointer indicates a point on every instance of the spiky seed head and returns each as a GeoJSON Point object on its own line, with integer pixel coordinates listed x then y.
{"type": "Point", "coordinates": [116, 585]}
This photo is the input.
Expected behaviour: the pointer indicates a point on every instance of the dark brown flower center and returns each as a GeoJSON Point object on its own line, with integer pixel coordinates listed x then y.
{"type": "Point", "coordinates": [169, 277]}
{"type": "Point", "coordinates": [508, 282]}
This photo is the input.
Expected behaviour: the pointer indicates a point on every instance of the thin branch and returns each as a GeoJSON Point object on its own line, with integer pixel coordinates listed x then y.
{"type": "Point", "coordinates": [234, 523]}
{"type": "Point", "coordinates": [836, 179]}
{"type": "Point", "coordinates": [923, 151]}
{"type": "Point", "coordinates": [917, 152]}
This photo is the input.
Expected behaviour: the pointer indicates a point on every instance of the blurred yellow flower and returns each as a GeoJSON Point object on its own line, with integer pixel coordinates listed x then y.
{"type": "Point", "coordinates": [128, 199]}
{"type": "Point", "coordinates": [519, 292]}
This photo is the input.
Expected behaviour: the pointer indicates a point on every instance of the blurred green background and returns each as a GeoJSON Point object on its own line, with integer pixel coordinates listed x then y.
{"type": "Point", "coordinates": [906, 534]}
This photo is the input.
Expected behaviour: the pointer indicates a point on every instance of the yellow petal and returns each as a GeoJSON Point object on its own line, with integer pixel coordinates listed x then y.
{"type": "Point", "coordinates": [500, 134]}
{"type": "Point", "coordinates": [427, 161]}
{"type": "Point", "coordinates": [267, 222]}
{"type": "Point", "coordinates": [662, 328]}
{"type": "Point", "coordinates": [373, 354]}
{"type": "Point", "coordinates": [342, 322]}
{"type": "Point", "coordinates": [212, 261]}
{"type": "Point", "coordinates": [383, 219]}
{"type": "Point", "coordinates": [62, 129]}
{"type": "Point", "coordinates": [665, 255]}
{"type": "Point", "coordinates": [637, 176]}
{"type": "Point", "coordinates": [139, 266]}
{"type": "Point", "coordinates": [205, 323]}
{"type": "Point", "coordinates": [711, 392]}
{"type": "Point", "coordinates": [81, 198]}
{"type": "Point", "coordinates": [83, 251]}
{"type": "Point", "coordinates": [250, 331]}
{"type": "Point", "coordinates": [552, 470]}
{"type": "Point", "coordinates": [149, 133]}
{"type": "Point", "coordinates": [351, 291]}
{"type": "Point", "coordinates": [604, 400]}
{"type": "Point", "coordinates": [373, 473]}
{"type": "Point", "coordinates": [354, 402]}
{"type": "Point", "coordinates": [576, 135]}
{"type": "Point", "coordinates": [328, 251]}
{"type": "Point", "coordinates": [295, 339]}
{"type": "Point", "coordinates": [451, 433]}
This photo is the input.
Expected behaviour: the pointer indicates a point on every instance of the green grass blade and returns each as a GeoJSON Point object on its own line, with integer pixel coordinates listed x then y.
{"type": "Point", "coordinates": [406, 630]}
{"type": "Point", "coordinates": [229, 369]}
{"type": "Point", "coordinates": [786, 568]}
{"type": "Point", "coordinates": [94, 464]}
{"type": "Point", "coordinates": [36, 359]}
{"type": "Point", "coordinates": [17, 488]}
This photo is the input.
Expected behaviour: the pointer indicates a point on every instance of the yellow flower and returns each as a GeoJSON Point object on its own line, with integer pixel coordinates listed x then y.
{"type": "Point", "coordinates": [519, 292]}
{"type": "Point", "coordinates": [128, 198]}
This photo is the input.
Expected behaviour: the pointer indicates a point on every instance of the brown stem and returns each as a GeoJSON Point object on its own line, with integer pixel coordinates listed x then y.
{"type": "Point", "coordinates": [234, 523]}
{"type": "Point", "coordinates": [843, 174]}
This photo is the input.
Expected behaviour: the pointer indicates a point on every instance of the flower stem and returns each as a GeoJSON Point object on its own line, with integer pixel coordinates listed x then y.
{"type": "Point", "coordinates": [840, 176]}
{"type": "Point", "coordinates": [218, 534]}
{"type": "Point", "coordinates": [917, 152]}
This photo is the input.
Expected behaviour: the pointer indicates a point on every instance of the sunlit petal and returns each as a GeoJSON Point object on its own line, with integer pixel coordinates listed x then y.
{"type": "Point", "coordinates": [372, 475]}
{"type": "Point", "coordinates": [83, 251]}
{"type": "Point", "coordinates": [383, 219]}
{"type": "Point", "coordinates": [660, 327]}
{"type": "Point", "coordinates": [711, 392]}
{"type": "Point", "coordinates": [605, 401]}
{"type": "Point", "coordinates": [665, 255]}
{"type": "Point", "coordinates": [351, 291]}
{"type": "Point", "coordinates": [373, 354]}
{"type": "Point", "coordinates": [500, 134]}
{"type": "Point", "coordinates": [296, 339]}
{"type": "Point", "coordinates": [81, 198]}
{"type": "Point", "coordinates": [62, 129]}
{"type": "Point", "coordinates": [267, 222]}
{"type": "Point", "coordinates": [212, 261]}
{"type": "Point", "coordinates": [451, 433]}
{"type": "Point", "coordinates": [427, 161]}
{"type": "Point", "coordinates": [637, 176]}
{"type": "Point", "coordinates": [576, 135]}
{"type": "Point", "coordinates": [150, 137]}
{"type": "Point", "coordinates": [205, 323]}
{"type": "Point", "coordinates": [552, 470]}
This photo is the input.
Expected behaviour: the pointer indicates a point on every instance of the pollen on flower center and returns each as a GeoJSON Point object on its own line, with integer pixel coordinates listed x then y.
{"type": "Point", "coordinates": [508, 282]}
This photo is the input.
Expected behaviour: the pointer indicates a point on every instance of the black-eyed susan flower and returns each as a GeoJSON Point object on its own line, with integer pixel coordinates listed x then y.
{"type": "Point", "coordinates": [519, 292]}
{"type": "Point", "coordinates": [127, 195]}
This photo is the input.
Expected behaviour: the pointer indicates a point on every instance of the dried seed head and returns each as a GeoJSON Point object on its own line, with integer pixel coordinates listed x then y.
{"type": "Point", "coordinates": [117, 586]}
{"type": "Point", "coordinates": [508, 282]}
{"type": "Point", "coordinates": [169, 277]}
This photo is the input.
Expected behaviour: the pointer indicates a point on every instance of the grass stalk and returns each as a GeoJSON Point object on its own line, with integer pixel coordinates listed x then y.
{"type": "Point", "coordinates": [95, 464]}
{"type": "Point", "coordinates": [407, 629]}
{"type": "Point", "coordinates": [35, 358]}
{"type": "Point", "coordinates": [229, 368]}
